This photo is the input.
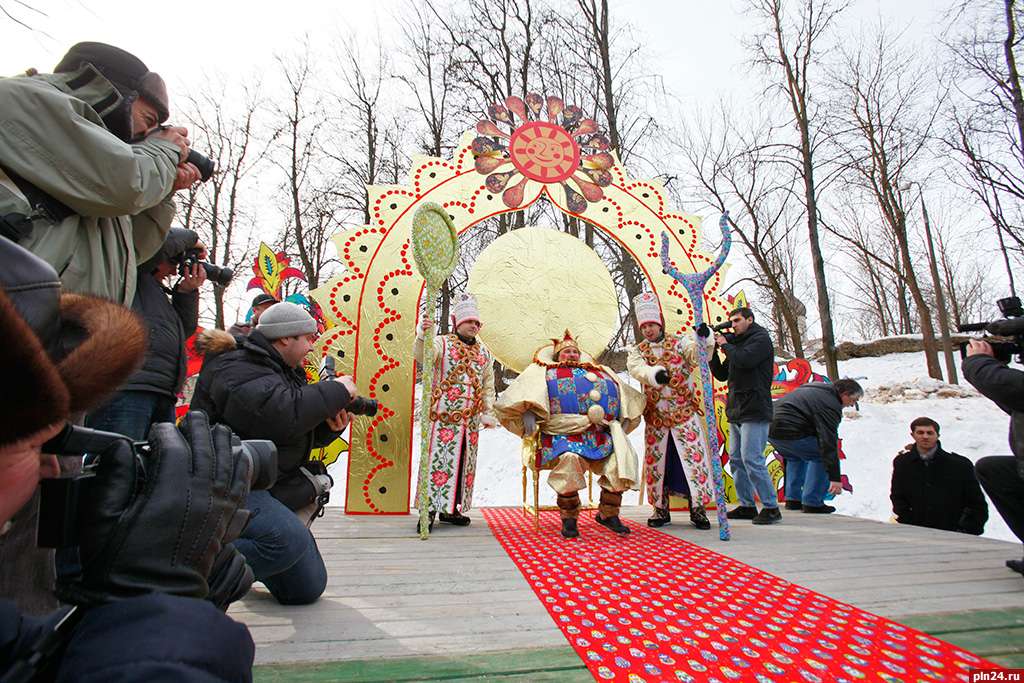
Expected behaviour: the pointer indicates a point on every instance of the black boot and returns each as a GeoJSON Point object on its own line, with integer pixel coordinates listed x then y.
{"type": "Point", "coordinates": [569, 528]}
{"type": "Point", "coordinates": [661, 518]}
{"type": "Point", "coordinates": [608, 512]}
{"type": "Point", "coordinates": [430, 524]}
{"type": "Point", "coordinates": [794, 505]}
{"type": "Point", "coordinates": [699, 518]}
{"type": "Point", "coordinates": [458, 519]}
{"type": "Point", "coordinates": [769, 516]}
{"type": "Point", "coordinates": [742, 512]}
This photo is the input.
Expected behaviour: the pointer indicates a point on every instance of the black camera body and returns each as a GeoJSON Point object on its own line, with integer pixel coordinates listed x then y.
{"type": "Point", "coordinates": [61, 499]}
{"type": "Point", "coordinates": [722, 327]}
{"type": "Point", "coordinates": [1011, 325]}
{"type": "Point", "coordinates": [358, 405]}
{"type": "Point", "coordinates": [219, 275]}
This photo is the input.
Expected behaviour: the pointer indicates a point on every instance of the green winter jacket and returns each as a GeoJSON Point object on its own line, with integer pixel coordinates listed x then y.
{"type": "Point", "coordinates": [51, 135]}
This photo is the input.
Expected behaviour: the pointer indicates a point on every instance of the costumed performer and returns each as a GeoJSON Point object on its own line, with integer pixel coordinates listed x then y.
{"type": "Point", "coordinates": [461, 402]}
{"type": "Point", "coordinates": [575, 413]}
{"type": "Point", "coordinates": [677, 455]}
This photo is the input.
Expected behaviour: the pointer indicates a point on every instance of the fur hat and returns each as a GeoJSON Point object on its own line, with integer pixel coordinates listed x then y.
{"type": "Point", "coordinates": [285, 320]}
{"type": "Point", "coordinates": [646, 308]}
{"type": "Point", "coordinates": [464, 309]}
{"type": "Point", "coordinates": [63, 354]}
{"type": "Point", "coordinates": [565, 342]}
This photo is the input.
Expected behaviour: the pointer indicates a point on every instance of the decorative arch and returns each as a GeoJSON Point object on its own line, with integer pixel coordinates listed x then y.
{"type": "Point", "coordinates": [374, 303]}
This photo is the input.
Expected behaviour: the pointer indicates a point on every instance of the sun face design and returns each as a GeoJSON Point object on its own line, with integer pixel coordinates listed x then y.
{"type": "Point", "coordinates": [562, 147]}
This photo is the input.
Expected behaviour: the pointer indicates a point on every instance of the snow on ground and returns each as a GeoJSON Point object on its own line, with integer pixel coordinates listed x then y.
{"type": "Point", "coordinates": [973, 427]}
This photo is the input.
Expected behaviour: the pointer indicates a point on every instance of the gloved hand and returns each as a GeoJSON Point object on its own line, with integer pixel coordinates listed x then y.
{"type": "Point", "coordinates": [529, 422]}
{"type": "Point", "coordinates": [703, 330]}
{"type": "Point", "coordinates": [661, 376]}
{"type": "Point", "coordinates": [230, 579]}
{"type": "Point", "coordinates": [156, 521]}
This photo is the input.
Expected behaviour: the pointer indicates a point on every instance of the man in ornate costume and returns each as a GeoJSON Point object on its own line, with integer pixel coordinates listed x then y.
{"type": "Point", "coordinates": [677, 456]}
{"type": "Point", "coordinates": [462, 402]}
{"type": "Point", "coordinates": [582, 412]}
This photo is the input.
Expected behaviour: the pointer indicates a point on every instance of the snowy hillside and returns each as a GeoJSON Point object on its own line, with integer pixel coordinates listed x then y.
{"type": "Point", "coordinates": [972, 427]}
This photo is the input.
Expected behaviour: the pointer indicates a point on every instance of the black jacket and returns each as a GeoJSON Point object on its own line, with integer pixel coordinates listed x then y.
{"type": "Point", "coordinates": [252, 391]}
{"type": "Point", "coordinates": [813, 409]}
{"type": "Point", "coordinates": [940, 494]}
{"type": "Point", "coordinates": [749, 368]}
{"type": "Point", "coordinates": [154, 637]}
{"type": "Point", "coordinates": [170, 323]}
{"type": "Point", "coordinates": [1005, 387]}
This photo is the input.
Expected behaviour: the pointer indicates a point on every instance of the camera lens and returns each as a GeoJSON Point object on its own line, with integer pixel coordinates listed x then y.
{"type": "Point", "coordinates": [205, 166]}
{"type": "Point", "coordinates": [218, 275]}
{"type": "Point", "coordinates": [362, 406]}
{"type": "Point", "coordinates": [263, 456]}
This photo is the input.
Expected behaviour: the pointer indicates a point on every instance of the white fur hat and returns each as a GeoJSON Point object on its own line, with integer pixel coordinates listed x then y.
{"type": "Point", "coordinates": [647, 309]}
{"type": "Point", "coordinates": [464, 309]}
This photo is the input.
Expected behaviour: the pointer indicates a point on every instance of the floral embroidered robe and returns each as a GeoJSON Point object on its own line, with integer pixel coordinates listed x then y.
{"type": "Point", "coordinates": [674, 411]}
{"type": "Point", "coordinates": [463, 392]}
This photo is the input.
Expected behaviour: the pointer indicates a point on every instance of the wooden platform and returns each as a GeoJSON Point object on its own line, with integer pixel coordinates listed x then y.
{"type": "Point", "coordinates": [431, 608]}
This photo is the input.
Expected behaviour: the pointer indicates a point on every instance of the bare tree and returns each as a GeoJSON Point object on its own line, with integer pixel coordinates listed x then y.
{"type": "Point", "coordinates": [788, 47]}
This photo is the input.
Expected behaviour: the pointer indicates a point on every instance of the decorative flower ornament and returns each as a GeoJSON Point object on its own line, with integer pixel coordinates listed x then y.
{"type": "Point", "coordinates": [561, 147]}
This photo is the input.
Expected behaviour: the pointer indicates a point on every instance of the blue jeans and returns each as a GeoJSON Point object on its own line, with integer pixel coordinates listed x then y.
{"type": "Point", "coordinates": [806, 477]}
{"type": "Point", "coordinates": [131, 413]}
{"type": "Point", "coordinates": [282, 552]}
{"type": "Point", "coordinates": [746, 455]}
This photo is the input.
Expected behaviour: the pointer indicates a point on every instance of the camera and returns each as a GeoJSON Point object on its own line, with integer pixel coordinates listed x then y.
{"type": "Point", "coordinates": [722, 327]}
{"type": "Point", "coordinates": [1010, 325]}
{"type": "Point", "coordinates": [219, 275]}
{"type": "Point", "coordinates": [358, 405]}
{"type": "Point", "coordinates": [60, 499]}
{"type": "Point", "coordinates": [204, 164]}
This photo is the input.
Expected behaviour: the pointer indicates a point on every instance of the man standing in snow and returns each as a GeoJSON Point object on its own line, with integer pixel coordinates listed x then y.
{"type": "Point", "coordinates": [748, 367]}
{"type": "Point", "coordinates": [933, 488]}
{"type": "Point", "coordinates": [1001, 476]}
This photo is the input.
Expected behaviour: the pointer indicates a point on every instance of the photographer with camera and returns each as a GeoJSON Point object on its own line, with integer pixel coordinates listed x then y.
{"type": "Point", "coordinates": [137, 583]}
{"type": "Point", "coordinates": [256, 385]}
{"type": "Point", "coordinates": [172, 315]}
{"type": "Point", "coordinates": [1002, 477]}
{"type": "Point", "coordinates": [86, 173]}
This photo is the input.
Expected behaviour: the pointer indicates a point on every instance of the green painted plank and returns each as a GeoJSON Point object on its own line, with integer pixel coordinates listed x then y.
{"type": "Point", "coordinates": [528, 663]}
{"type": "Point", "coordinates": [947, 622]}
{"type": "Point", "coordinates": [989, 642]}
{"type": "Point", "coordinates": [1009, 661]}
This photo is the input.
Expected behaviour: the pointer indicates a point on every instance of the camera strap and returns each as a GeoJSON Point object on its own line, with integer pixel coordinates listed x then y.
{"type": "Point", "coordinates": [17, 227]}
{"type": "Point", "coordinates": [45, 651]}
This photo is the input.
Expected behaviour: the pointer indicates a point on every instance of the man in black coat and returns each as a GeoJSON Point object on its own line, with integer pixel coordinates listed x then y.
{"type": "Point", "coordinates": [934, 488]}
{"type": "Point", "coordinates": [257, 386]}
{"type": "Point", "coordinates": [171, 316]}
{"type": "Point", "coordinates": [805, 431]}
{"type": "Point", "coordinates": [748, 367]}
{"type": "Point", "coordinates": [1002, 476]}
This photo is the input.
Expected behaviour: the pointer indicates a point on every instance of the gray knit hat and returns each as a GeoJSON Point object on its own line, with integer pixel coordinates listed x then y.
{"type": "Point", "coordinates": [285, 320]}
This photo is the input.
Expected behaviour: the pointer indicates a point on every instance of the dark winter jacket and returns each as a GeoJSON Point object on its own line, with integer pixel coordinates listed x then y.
{"type": "Point", "coordinates": [154, 637]}
{"type": "Point", "coordinates": [251, 390]}
{"type": "Point", "coordinates": [170, 323]}
{"type": "Point", "coordinates": [1004, 386]}
{"type": "Point", "coordinates": [748, 366]}
{"type": "Point", "coordinates": [813, 409]}
{"type": "Point", "coordinates": [942, 493]}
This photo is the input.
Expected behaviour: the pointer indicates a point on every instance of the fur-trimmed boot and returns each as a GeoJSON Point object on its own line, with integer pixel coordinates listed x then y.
{"type": "Point", "coordinates": [569, 509]}
{"type": "Point", "coordinates": [608, 512]}
{"type": "Point", "coordinates": [661, 518]}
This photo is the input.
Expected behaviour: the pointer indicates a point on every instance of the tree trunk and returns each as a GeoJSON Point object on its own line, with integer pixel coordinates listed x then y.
{"type": "Point", "coordinates": [931, 352]}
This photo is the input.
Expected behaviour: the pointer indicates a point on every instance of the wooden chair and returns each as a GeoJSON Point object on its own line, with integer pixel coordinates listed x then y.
{"type": "Point", "coordinates": [532, 463]}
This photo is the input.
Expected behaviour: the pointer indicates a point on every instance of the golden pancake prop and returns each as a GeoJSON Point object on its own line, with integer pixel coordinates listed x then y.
{"type": "Point", "coordinates": [533, 283]}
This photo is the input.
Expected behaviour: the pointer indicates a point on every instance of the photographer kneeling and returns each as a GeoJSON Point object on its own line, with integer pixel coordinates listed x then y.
{"type": "Point", "coordinates": [1002, 476]}
{"type": "Point", "coordinates": [256, 386]}
{"type": "Point", "coordinates": [150, 394]}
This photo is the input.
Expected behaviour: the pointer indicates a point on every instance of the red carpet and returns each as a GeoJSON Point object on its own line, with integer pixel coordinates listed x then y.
{"type": "Point", "coordinates": [652, 607]}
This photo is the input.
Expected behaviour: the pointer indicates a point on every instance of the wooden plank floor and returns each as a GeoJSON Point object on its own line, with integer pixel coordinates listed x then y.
{"type": "Point", "coordinates": [391, 595]}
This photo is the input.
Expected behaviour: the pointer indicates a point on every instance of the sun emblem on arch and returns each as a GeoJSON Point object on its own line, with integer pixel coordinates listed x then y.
{"type": "Point", "coordinates": [559, 147]}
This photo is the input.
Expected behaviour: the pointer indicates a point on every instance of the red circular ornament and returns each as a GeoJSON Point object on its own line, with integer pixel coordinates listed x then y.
{"type": "Point", "coordinates": [544, 152]}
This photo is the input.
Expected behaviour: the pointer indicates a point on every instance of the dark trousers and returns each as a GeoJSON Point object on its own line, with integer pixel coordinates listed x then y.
{"type": "Point", "coordinates": [675, 476]}
{"type": "Point", "coordinates": [999, 476]}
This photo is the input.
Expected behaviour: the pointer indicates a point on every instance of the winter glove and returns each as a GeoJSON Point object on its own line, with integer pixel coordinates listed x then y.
{"type": "Point", "coordinates": [154, 521]}
{"type": "Point", "coordinates": [230, 579]}
{"type": "Point", "coordinates": [703, 330]}
{"type": "Point", "coordinates": [661, 376]}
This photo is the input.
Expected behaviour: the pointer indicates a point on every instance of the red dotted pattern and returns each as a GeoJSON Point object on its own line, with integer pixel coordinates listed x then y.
{"type": "Point", "coordinates": [651, 607]}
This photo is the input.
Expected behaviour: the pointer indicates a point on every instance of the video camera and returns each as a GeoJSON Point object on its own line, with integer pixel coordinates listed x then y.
{"type": "Point", "coordinates": [358, 405]}
{"type": "Point", "coordinates": [60, 499]}
{"type": "Point", "coordinates": [1011, 325]}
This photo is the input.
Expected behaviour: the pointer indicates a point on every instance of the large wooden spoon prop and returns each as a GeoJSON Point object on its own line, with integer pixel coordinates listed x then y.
{"type": "Point", "coordinates": [694, 284]}
{"type": "Point", "coordinates": [435, 250]}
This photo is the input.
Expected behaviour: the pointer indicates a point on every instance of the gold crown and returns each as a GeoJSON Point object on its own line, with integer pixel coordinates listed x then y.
{"type": "Point", "coordinates": [564, 343]}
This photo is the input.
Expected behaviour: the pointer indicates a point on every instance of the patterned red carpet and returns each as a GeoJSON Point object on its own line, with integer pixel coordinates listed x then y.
{"type": "Point", "coordinates": [651, 607]}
